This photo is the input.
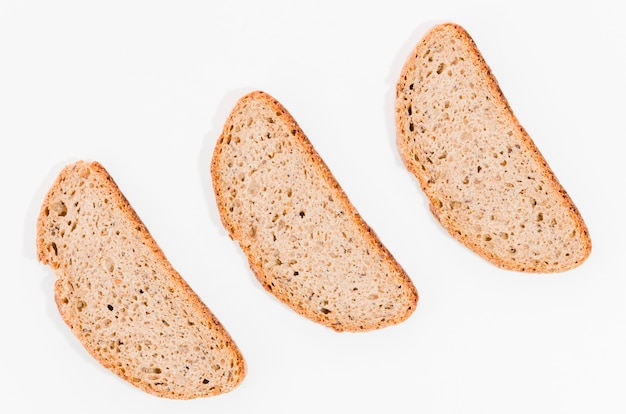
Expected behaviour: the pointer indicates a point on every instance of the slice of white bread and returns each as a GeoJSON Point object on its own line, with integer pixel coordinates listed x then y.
{"type": "Point", "coordinates": [487, 183]}
{"type": "Point", "coordinates": [304, 240]}
{"type": "Point", "coordinates": [121, 297]}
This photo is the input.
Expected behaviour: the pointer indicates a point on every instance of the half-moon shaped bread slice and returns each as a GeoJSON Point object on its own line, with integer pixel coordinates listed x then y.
{"type": "Point", "coordinates": [487, 183]}
{"type": "Point", "coordinates": [121, 297]}
{"type": "Point", "coordinates": [305, 242]}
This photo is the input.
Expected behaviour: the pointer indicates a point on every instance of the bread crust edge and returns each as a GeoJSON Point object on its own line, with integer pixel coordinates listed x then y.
{"type": "Point", "coordinates": [204, 312]}
{"type": "Point", "coordinates": [316, 161]}
{"type": "Point", "coordinates": [479, 61]}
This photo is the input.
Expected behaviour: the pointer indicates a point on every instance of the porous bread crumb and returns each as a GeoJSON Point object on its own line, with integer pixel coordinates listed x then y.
{"type": "Point", "coordinates": [488, 184]}
{"type": "Point", "coordinates": [121, 297]}
{"type": "Point", "coordinates": [305, 242]}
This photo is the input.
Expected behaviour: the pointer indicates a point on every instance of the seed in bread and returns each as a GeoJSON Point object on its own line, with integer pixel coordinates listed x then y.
{"type": "Point", "coordinates": [304, 240]}
{"type": "Point", "coordinates": [487, 183]}
{"type": "Point", "coordinates": [121, 297]}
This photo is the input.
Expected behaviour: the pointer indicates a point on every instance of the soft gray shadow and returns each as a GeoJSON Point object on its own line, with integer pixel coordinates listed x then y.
{"type": "Point", "coordinates": [30, 221]}
{"type": "Point", "coordinates": [392, 79]}
{"type": "Point", "coordinates": [209, 140]}
{"type": "Point", "coordinates": [390, 98]}
{"type": "Point", "coordinates": [224, 108]}
{"type": "Point", "coordinates": [46, 283]}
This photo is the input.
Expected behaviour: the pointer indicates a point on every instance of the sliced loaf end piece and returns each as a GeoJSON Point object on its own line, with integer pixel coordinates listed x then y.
{"type": "Point", "coordinates": [305, 242]}
{"type": "Point", "coordinates": [487, 183]}
{"type": "Point", "coordinates": [122, 298]}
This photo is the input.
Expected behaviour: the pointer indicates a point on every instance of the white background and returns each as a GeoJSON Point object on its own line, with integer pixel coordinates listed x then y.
{"type": "Point", "coordinates": [144, 87]}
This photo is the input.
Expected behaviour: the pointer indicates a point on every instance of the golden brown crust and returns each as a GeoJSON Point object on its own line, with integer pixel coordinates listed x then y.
{"type": "Point", "coordinates": [65, 262]}
{"type": "Point", "coordinates": [265, 274]}
{"type": "Point", "coordinates": [407, 88]}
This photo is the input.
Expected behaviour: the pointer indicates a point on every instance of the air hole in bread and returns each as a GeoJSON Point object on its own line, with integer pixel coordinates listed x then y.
{"type": "Point", "coordinates": [59, 208]}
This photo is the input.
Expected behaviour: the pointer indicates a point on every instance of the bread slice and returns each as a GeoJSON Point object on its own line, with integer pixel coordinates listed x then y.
{"type": "Point", "coordinates": [487, 183]}
{"type": "Point", "coordinates": [121, 297]}
{"type": "Point", "coordinates": [305, 242]}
